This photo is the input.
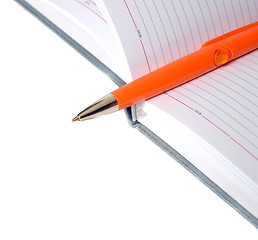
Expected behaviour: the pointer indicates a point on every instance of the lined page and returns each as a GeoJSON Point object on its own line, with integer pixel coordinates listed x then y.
{"type": "Point", "coordinates": [170, 29]}
{"type": "Point", "coordinates": [92, 6]}
{"type": "Point", "coordinates": [162, 31]}
{"type": "Point", "coordinates": [84, 22]}
{"type": "Point", "coordinates": [213, 122]}
{"type": "Point", "coordinates": [227, 98]}
{"type": "Point", "coordinates": [221, 107]}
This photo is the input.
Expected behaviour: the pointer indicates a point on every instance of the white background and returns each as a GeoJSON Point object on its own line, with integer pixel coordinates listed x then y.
{"type": "Point", "coordinates": [99, 179]}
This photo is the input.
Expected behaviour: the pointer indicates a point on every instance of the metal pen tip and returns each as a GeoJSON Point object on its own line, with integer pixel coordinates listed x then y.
{"type": "Point", "coordinates": [103, 106]}
{"type": "Point", "coordinates": [77, 118]}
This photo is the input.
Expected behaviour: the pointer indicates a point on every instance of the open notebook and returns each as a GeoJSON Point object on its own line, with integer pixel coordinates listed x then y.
{"type": "Point", "coordinates": [212, 121]}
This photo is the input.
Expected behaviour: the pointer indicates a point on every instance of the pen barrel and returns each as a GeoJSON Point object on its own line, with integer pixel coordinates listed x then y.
{"type": "Point", "coordinates": [164, 79]}
{"type": "Point", "coordinates": [187, 68]}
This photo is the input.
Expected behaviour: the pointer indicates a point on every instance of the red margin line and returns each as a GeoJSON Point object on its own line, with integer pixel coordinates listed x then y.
{"type": "Point", "coordinates": [216, 127]}
{"type": "Point", "coordinates": [179, 101]}
{"type": "Point", "coordinates": [144, 51]}
{"type": "Point", "coordinates": [130, 14]}
{"type": "Point", "coordinates": [145, 54]}
{"type": "Point", "coordinates": [91, 10]}
{"type": "Point", "coordinates": [244, 148]}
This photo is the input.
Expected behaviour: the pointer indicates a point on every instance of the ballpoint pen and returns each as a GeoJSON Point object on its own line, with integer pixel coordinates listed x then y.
{"type": "Point", "coordinates": [213, 54]}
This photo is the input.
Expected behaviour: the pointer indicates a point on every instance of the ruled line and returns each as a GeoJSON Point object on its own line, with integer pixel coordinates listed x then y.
{"type": "Point", "coordinates": [224, 93]}
{"type": "Point", "coordinates": [173, 30]}
{"type": "Point", "coordinates": [256, 7]}
{"type": "Point", "coordinates": [235, 83]}
{"type": "Point", "coordinates": [142, 44]}
{"type": "Point", "coordinates": [179, 101]}
{"type": "Point", "coordinates": [225, 104]}
{"type": "Point", "coordinates": [243, 79]}
{"type": "Point", "coordinates": [213, 24]}
{"type": "Point", "coordinates": [232, 5]}
{"type": "Point", "coordinates": [203, 19]}
{"type": "Point", "coordinates": [222, 111]}
{"type": "Point", "coordinates": [232, 89]}
{"type": "Point", "coordinates": [220, 21]}
{"type": "Point", "coordinates": [86, 6]}
{"type": "Point", "coordinates": [224, 6]}
{"type": "Point", "coordinates": [148, 36]}
{"type": "Point", "coordinates": [241, 10]}
{"type": "Point", "coordinates": [218, 117]}
{"type": "Point", "coordinates": [130, 14]}
{"type": "Point", "coordinates": [163, 27]}
{"type": "Point", "coordinates": [180, 25]}
{"type": "Point", "coordinates": [215, 125]}
{"type": "Point", "coordinates": [253, 62]}
{"type": "Point", "coordinates": [196, 22]}
{"type": "Point", "coordinates": [188, 25]}
{"type": "Point", "coordinates": [155, 29]}
{"type": "Point", "coordinates": [248, 7]}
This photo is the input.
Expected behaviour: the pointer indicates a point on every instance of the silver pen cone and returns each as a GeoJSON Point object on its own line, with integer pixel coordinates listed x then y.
{"type": "Point", "coordinates": [103, 106]}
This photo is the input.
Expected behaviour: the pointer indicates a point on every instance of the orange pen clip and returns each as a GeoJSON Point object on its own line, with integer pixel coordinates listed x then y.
{"type": "Point", "coordinates": [223, 56]}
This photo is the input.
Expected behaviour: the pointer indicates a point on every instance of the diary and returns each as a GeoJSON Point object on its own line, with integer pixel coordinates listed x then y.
{"type": "Point", "coordinates": [209, 125]}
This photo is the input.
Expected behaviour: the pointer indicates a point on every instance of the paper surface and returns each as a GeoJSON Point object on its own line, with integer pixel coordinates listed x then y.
{"type": "Point", "coordinates": [218, 110]}
{"type": "Point", "coordinates": [84, 22]}
{"type": "Point", "coordinates": [163, 31]}
{"type": "Point", "coordinates": [216, 116]}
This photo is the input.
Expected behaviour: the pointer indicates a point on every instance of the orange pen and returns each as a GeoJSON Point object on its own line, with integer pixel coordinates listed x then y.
{"type": "Point", "coordinates": [212, 55]}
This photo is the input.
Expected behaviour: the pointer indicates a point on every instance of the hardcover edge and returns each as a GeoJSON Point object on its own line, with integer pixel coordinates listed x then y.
{"type": "Point", "coordinates": [137, 125]}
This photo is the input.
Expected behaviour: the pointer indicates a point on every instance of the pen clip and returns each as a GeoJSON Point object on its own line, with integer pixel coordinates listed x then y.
{"type": "Point", "coordinates": [229, 34]}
